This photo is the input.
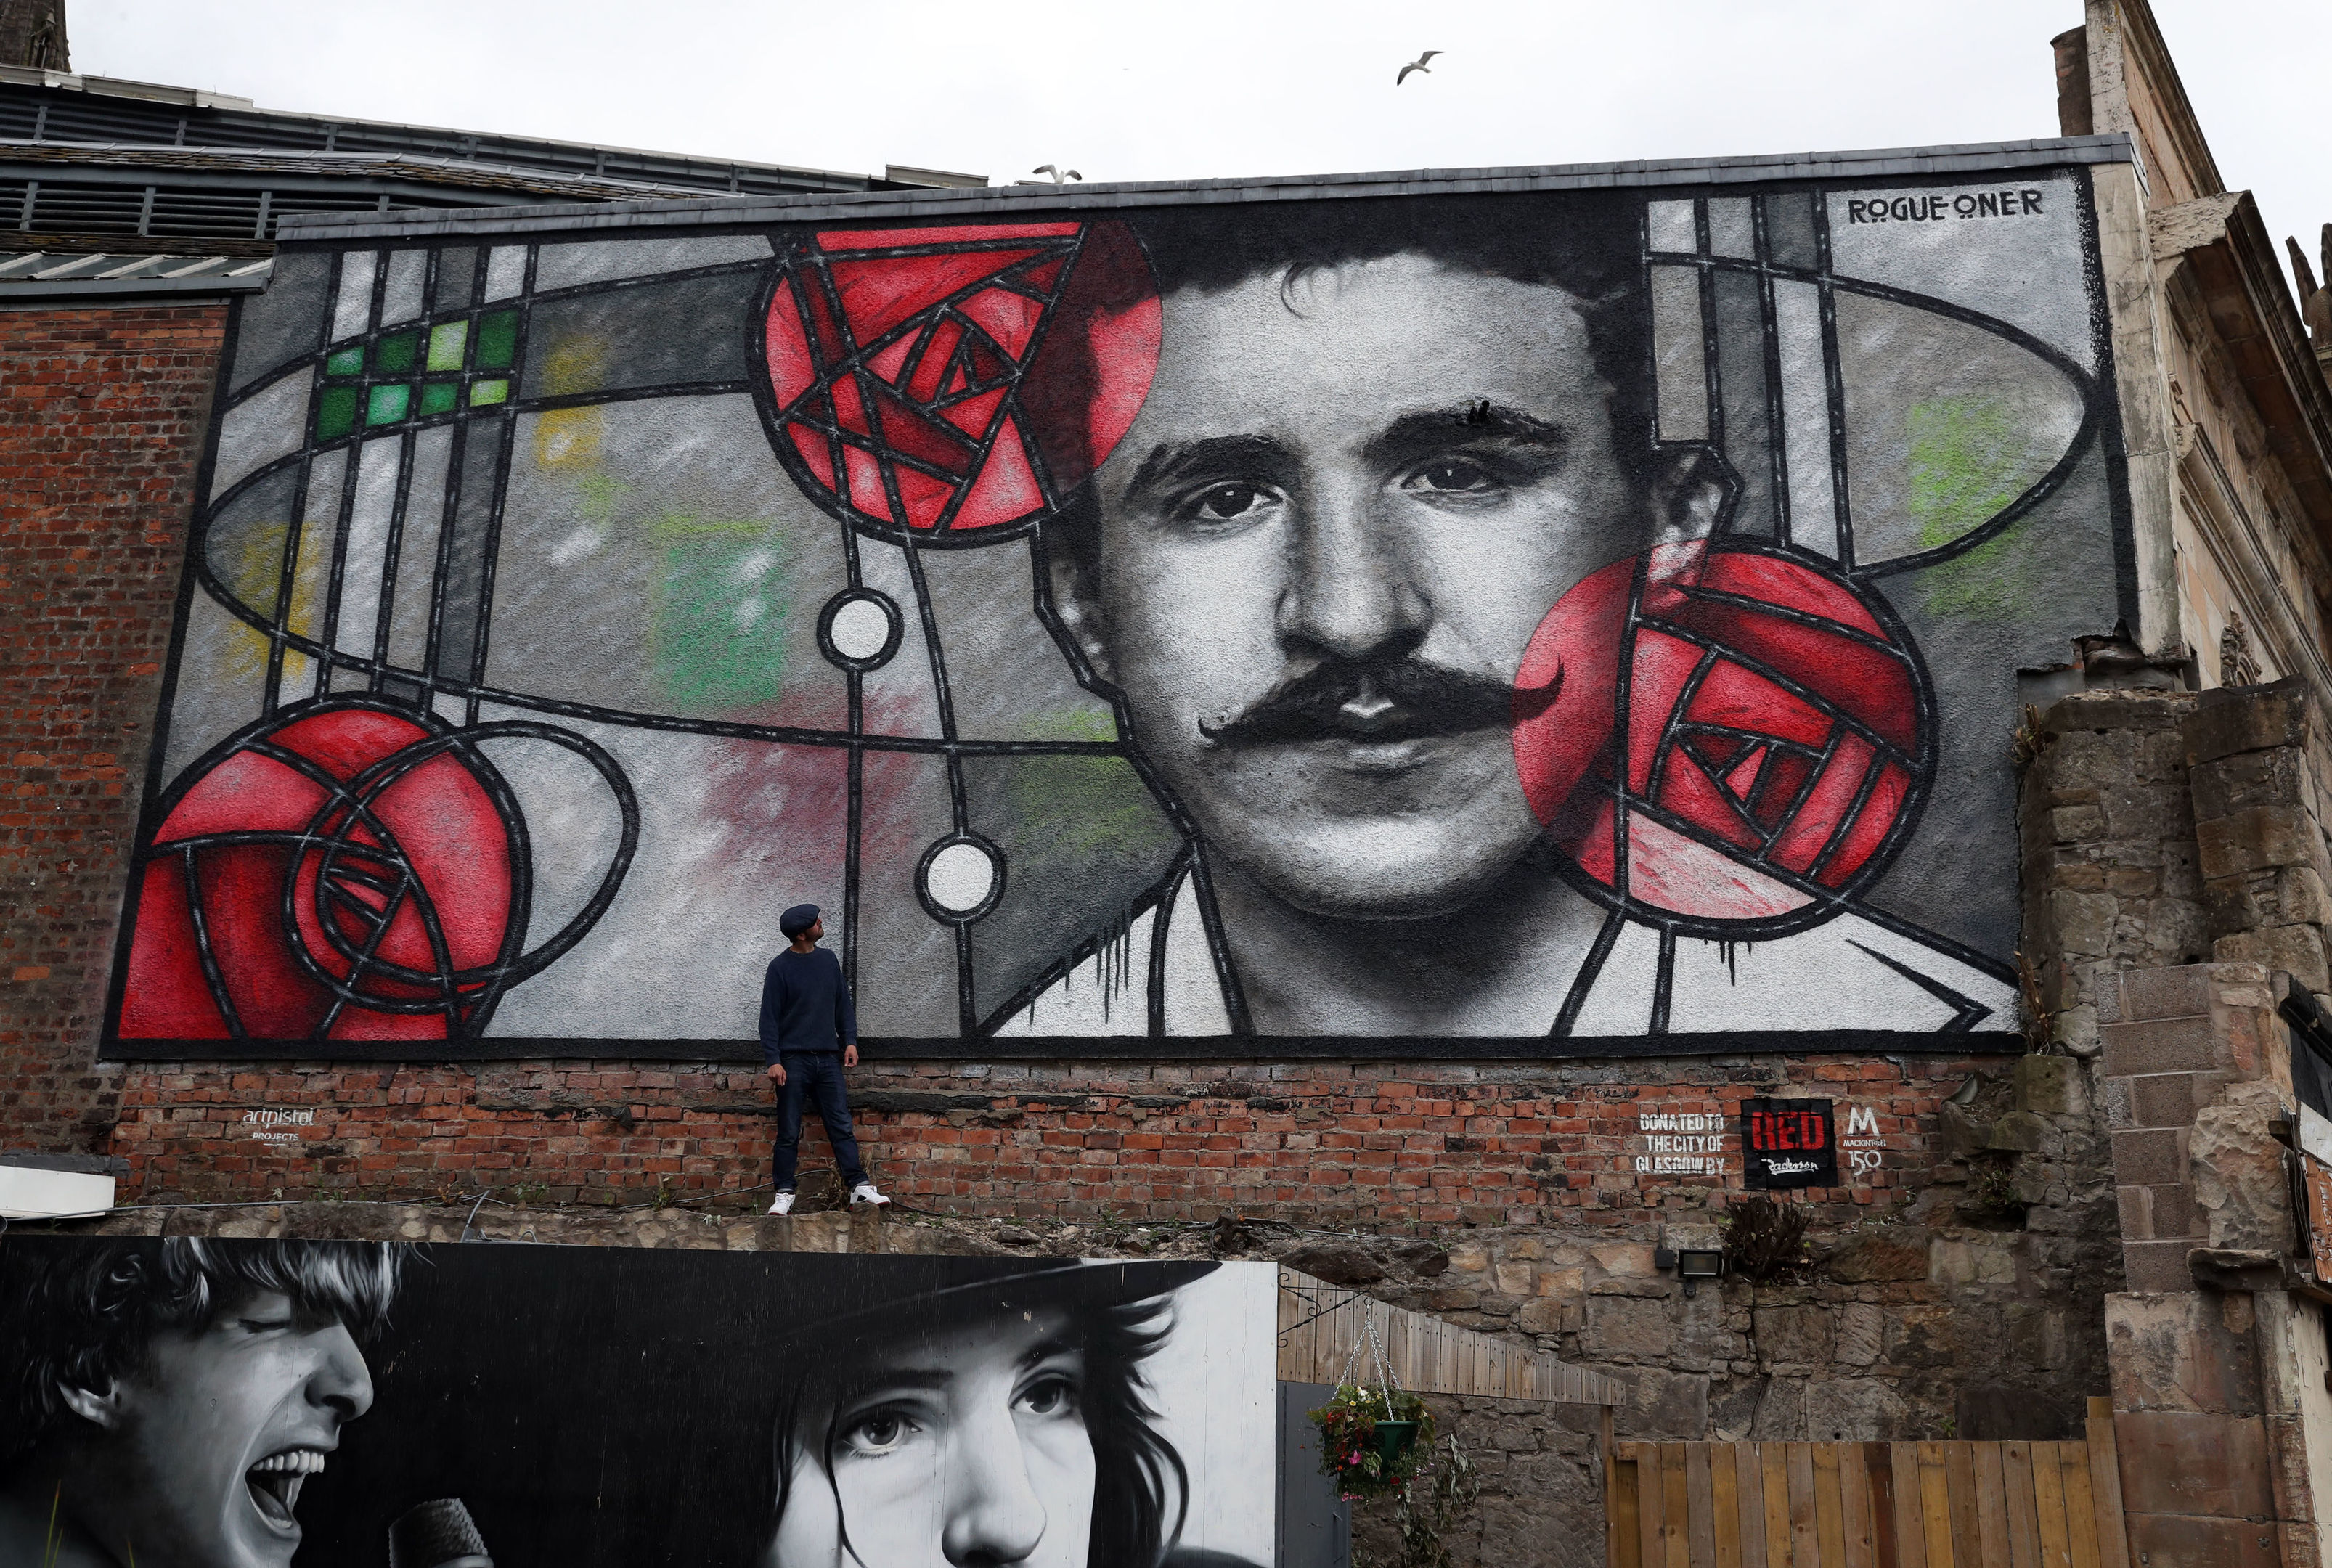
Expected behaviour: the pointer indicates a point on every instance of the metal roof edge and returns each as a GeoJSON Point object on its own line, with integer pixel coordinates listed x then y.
{"type": "Point", "coordinates": [842, 205]}
{"type": "Point", "coordinates": [27, 290]}
{"type": "Point", "coordinates": [197, 98]}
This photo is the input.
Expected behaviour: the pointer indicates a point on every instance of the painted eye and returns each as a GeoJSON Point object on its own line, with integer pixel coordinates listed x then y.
{"type": "Point", "coordinates": [1052, 1396]}
{"type": "Point", "coordinates": [1228, 500]}
{"type": "Point", "coordinates": [879, 1433]}
{"type": "Point", "coordinates": [1454, 476]}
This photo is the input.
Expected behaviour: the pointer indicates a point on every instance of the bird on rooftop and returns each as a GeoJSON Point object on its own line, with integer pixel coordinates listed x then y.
{"type": "Point", "coordinates": [1416, 64]}
{"type": "Point", "coordinates": [1060, 176]}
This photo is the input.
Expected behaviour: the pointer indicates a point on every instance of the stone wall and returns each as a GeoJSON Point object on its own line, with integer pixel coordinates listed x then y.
{"type": "Point", "coordinates": [2217, 1341]}
{"type": "Point", "coordinates": [101, 416]}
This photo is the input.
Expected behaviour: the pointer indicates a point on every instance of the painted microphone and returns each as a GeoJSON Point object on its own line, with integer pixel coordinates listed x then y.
{"type": "Point", "coordinates": [438, 1533]}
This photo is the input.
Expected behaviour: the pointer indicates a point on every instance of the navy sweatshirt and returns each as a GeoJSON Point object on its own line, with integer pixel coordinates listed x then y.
{"type": "Point", "coordinates": [805, 1006]}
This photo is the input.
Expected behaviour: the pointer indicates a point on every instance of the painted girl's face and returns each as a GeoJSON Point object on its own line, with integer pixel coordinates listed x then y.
{"type": "Point", "coordinates": [969, 1448]}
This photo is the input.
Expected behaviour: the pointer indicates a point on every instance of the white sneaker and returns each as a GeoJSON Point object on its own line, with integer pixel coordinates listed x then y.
{"type": "Point", "coordinates": [782, 1204]}
{"type": "Point", "coordinates": [866, 1192]}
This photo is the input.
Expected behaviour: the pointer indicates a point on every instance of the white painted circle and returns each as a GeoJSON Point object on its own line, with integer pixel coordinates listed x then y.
{"type": "Point", "coordinates": [958, 878]}
{"type": "Point", "coordinates": [859, 629]}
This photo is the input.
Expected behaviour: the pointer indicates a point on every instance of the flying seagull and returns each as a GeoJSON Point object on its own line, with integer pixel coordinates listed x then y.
{"type": "Point", "coordinates": [1060, 176]}
{"type": "Point", "coordinates": [1416, 64]}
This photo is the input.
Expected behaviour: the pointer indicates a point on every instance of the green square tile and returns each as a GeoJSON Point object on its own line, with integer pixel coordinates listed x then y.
{"type": "Point", "coordinates": [439, 397]}
{"type": "Point", "coordinates": [336, 413]}
{"type": "Point", "coordinates": [394, 355]}
{"type": "Point", "coordinates": [389, 405]}
{"type": "Point", "coordinates": [484, 392]}
{"type": "Point", "coordinates": [498, 340]}
{"type": "Point", "coordinates": [445, 340]}
{"type": "Point", "coordinates": [348, 361]}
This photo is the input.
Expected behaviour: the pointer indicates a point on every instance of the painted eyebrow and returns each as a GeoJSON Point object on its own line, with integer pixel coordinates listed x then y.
{"type": "Point", "coordinates": [922, 1378]}
{"type": "Point", "coordinates": [1261, 457]}
{"type": "Point", "coordinates": [1415, 435]}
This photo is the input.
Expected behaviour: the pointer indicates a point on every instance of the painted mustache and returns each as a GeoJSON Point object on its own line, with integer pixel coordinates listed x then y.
{"type": "Point", "coordinates": [1398, 701]}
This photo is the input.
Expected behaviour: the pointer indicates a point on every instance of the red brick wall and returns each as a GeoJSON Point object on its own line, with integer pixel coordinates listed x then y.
{"type": "Point", "coordinates": [102, 418]}
{"type": "Point", "coordinates": [1373, 1145]}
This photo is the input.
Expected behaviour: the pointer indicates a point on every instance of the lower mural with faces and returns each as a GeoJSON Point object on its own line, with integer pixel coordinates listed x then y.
{"type": "Point", "coordinates": [257, 1404]}
{"type": "Point", "coordinates": [1557, 621]}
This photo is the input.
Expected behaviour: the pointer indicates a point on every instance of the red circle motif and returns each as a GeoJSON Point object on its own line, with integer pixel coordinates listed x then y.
{"type": "Point", "coordinates": [1721, 735]}
{"type": "Point", "coordinates": [960, 379]}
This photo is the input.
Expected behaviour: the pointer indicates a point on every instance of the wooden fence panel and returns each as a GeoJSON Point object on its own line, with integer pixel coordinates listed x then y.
{"type": "Point", "coordinates": [1909, 1505]}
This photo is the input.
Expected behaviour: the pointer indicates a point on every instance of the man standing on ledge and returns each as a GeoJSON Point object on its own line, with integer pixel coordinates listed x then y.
{"type": "Point", "coordinates": [809, 1033]}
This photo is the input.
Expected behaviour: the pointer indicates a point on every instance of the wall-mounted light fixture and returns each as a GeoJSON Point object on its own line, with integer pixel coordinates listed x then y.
{"type": "Point", "coordinates": [1695, 1265]}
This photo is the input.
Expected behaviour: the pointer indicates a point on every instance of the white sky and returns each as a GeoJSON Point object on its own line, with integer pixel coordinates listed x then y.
{"type": "Point", "coordinates": [1213, 88]}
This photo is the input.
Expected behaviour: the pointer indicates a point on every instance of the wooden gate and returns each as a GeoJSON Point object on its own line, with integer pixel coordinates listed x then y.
{"type": "Point", "coordinates": [1998, 1505]}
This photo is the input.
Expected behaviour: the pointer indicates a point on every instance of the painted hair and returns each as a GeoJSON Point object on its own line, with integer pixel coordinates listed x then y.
{"type": "Point", "coordinates": [81, 1314]}
{"type": "Point", "coordinates": [1140, 1485]}
{"type": "Point", "coordinates": [1587, 245]}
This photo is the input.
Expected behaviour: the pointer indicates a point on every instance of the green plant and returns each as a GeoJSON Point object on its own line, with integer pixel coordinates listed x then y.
{"type": "Point", "coordinates": [1765, 1241]}
{"type": "Point", "coordinates": [1373, 1440]}
{"type": "Point", "coordinates": [1992, 1195]}
{"type": "Point", "coordinates": [1424, 1524]}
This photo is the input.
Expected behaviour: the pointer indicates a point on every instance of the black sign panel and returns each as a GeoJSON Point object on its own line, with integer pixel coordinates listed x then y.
{"type": "Point", "coordinates": [1788, 1143]}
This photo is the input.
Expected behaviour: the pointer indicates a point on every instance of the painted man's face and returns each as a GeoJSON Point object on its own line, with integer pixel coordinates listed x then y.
{"type": "Point", "coordinates": [1324, 544]}
{"type": "Point", "coordinates": [968, 1449]}
{"type": "Point", "coordinates": [217, 1433]}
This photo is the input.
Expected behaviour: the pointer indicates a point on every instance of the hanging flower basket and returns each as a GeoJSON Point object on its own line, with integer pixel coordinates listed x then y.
{"type": "Point", "coordinates": [1373, 1439]}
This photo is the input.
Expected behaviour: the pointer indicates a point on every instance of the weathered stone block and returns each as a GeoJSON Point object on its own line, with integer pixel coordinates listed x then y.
{"type": "Point", "coordinates": [2021, 1132]}
{"type": "Point", "coordinates": [2238, 903]}
{"type": "Point", "coordinates": [1623, 1326]}
{"type": "Point", "coordinates": [2156, 1266]}
{"type": "Point", "coordinates": [2083, 922]}
{"type": "Point", "coordinates": [2183, 1351]}
{"type": "Point", "coordinates": [2190, 1462]}
{"type": "Point", "coordinates": [1964, 1132]}
{"type": "Point", "coordinates": [1550, 1314]}
{"type": "Point", "coordinates": [2132, 708]}
{"type": "Point", "coordinates": [2275, 777]}
{"type": "Point", "coordinates": [1793, 1335]}
{"type": "Point", "coordinates": [2178, 1044]}
{"type": "Point", "coordinates": [2134, 1205]}
{"type": "Point", "coordinates": [2150, 1157]}
{"type": "Point", "coordinates": [1920, 1336]}
{"type": "Point", "coordinates": [2170, 1099]}
{"type": "Point", "coordinates": [2225, 720]}
{"type": "Point", "coordinates": [2297, 949]}
{"type": "Point", "coordinates": [2301, 897]}
{"type": "Point", "coordinates": [2258, 837]}
{"type": "Point", "coordinates": [1854, 1410]}
{"type": "Point", "coordinates": [1562, 1281]}
{"type": "Point", "coordinates": [1338, 1263]}
{"type": "Point", "coordinates": [2238, 1177]}
{"type": "Point", "coordinates": [1890, 1252]}
{"type": "Point", "coordinates": [2175, 1214]}
{"type": "Point", "coordinates": [1861, 1334]}
{"type": "Point", "coordinates": [2051, 1086]}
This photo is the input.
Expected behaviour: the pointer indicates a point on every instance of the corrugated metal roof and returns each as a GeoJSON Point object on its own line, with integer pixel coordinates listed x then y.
{"type": "Point", "coordinates": [406, 165]}
{"type": "Point", "coordinates": [49, 273]}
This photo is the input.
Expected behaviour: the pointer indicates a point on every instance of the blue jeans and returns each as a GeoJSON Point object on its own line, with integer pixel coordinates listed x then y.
{"type": "Point", "coordinates": [814, 1078]}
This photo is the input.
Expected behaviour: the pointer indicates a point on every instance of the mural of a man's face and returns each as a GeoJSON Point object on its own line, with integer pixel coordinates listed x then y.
{"type": "Point", "coordinates": [207, 1445]}
{"type": "Point", "coordinates": [1346, 504]}
{"type": "Point", "coordinates": [967, 1447]}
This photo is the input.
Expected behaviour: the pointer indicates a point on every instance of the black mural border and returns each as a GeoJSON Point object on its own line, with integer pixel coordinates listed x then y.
{"type": "Point", "coordinates": [2100, 427]}
{"type": "Point", "coordinates": [1581, 1050]}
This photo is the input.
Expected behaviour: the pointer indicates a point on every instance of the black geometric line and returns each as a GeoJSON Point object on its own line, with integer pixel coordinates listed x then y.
{"type": "Point", "coordinates": [211, 975]}
{"type": "Point", "coordinates": [1664, 984]}
{"type": "Point", "coordinates": [1590, 970]}
{"type": "Point", "coordinates": [1968, 1012]}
